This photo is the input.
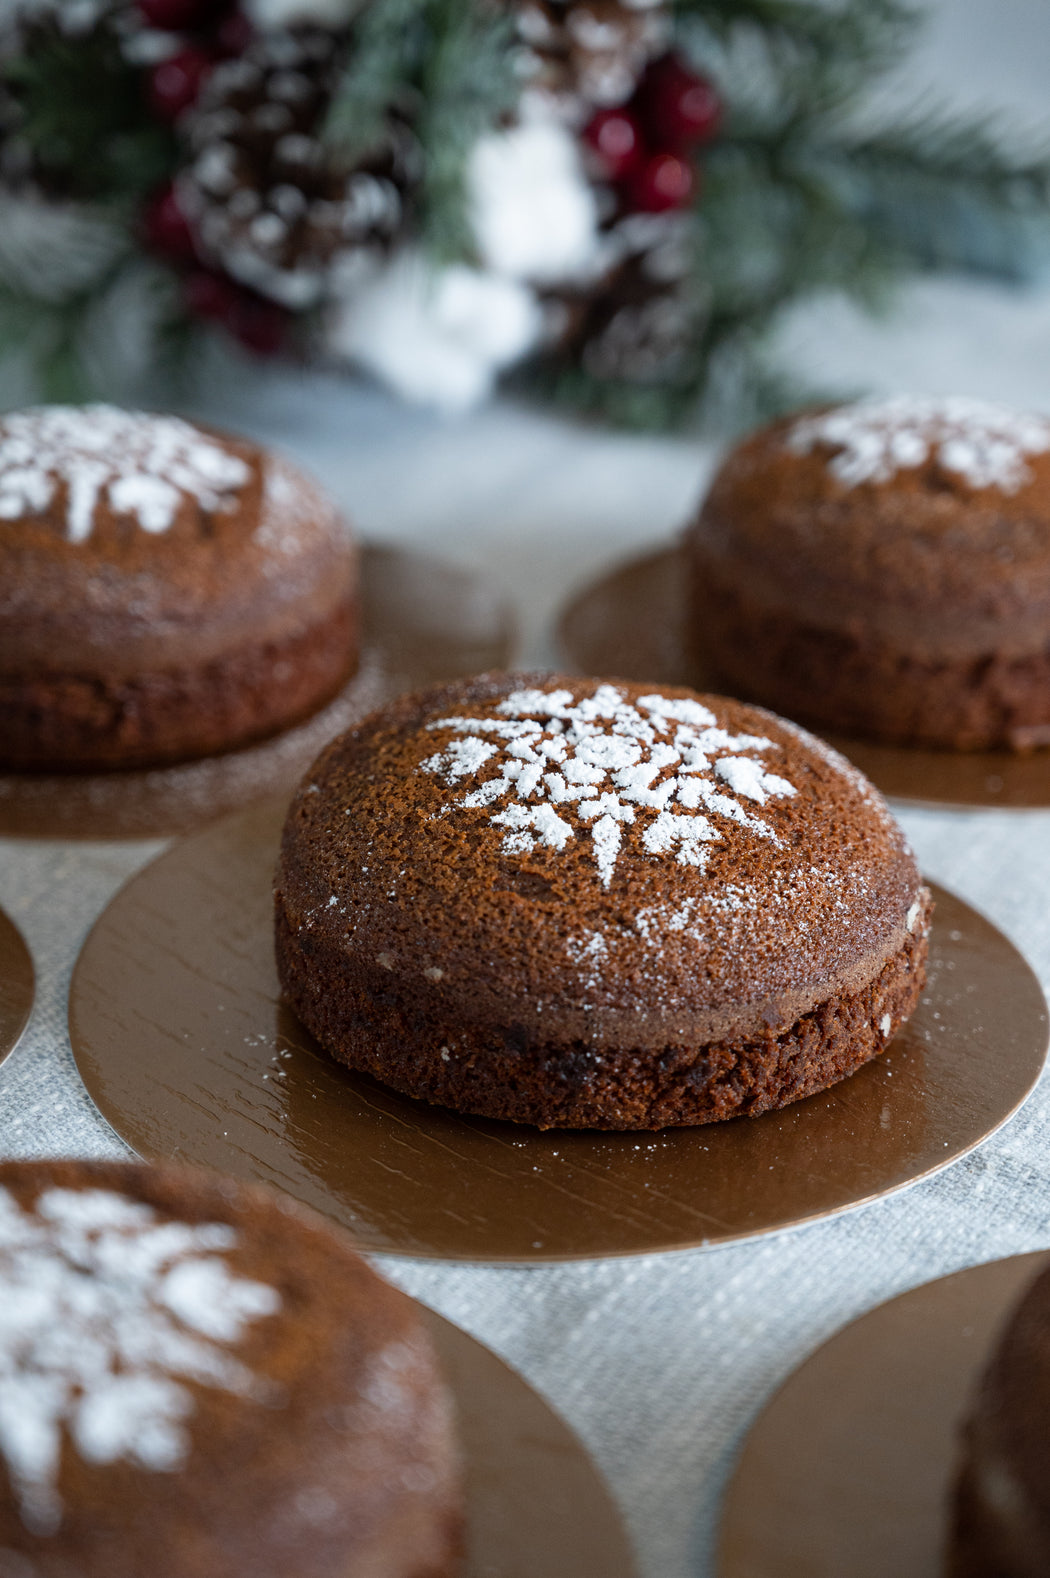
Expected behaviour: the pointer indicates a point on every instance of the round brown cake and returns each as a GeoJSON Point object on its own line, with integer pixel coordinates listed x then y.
{"type": "Point", "coordinates": [203, 1380]}
{"type": "Point", "coordinates": [1001, 1510]}
{"type": "Point", "coordinates": [883, 569]}
{"type": "Point", "coordinates": [166, 592]}
{"type": "Point", "coordinates": [574, 902]}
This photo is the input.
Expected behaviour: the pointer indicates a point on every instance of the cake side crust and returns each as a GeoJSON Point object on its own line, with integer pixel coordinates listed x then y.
{"type": "Point", "coordinates": [852, 681]}
{"type": "Point", "coordinates": [579, 1084]}
{"type": "Point", "coordinates": [329, 1453]}
{"type": "Point", "coordinates": [77, 723]}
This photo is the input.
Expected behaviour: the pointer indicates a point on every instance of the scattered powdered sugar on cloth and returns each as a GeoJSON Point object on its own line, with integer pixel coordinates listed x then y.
{"type": "Point", "coordinates": [103, 1305]}
{"type": "Point", "coordinates": [143, 464]}
{"type": "Point", "coordinates": [985, 444]}
{"type": "Point", "coordinates": [599, 765]}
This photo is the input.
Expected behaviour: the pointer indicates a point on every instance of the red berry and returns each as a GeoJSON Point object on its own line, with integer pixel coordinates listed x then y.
{"type": "Point", "coordinates": [665, 181]}
{"type": "Point", "coordinates": [166, 228]}
{"type": "Point", "coordinates": [260, 325]}
{"type": "Point", "coordinates": [616, 137]}
{"type": "Point", "coordinates": [175, 83]}
{"type": "Point", "coordinates": [678, 107]}
{"type": "Point", "coordinates": [174, 16]}
{"type": "Point", "coordinates": [209, 295]}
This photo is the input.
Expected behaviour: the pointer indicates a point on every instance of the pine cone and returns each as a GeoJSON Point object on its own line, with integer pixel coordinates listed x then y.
{"type": "Point", "coordinates": [584, 53]}
{"type": "Point", "coordinates": [268, 200]}
{"type": "Point", "coordinates": [634, 325]}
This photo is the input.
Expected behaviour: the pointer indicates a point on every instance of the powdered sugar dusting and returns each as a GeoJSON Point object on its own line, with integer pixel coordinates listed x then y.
{"type": "Point", "coordinates": [983, 443]}
{"type": "Point", "coordinates": [143, 465]}
{"type": "Point", "coordinates": [293, 507]}
{"type": "Point", "coordinates": [601, 767]}
{"type": "Point", "coordinates": [105, 1308]}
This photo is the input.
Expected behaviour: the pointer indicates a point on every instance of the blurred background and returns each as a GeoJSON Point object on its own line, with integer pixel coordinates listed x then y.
{"type": "Point", "coordinates": [923, 136]}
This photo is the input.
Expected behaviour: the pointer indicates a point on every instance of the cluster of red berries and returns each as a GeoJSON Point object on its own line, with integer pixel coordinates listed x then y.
{"type": "Point", "coordinates": [217, 31]}
{"type": "Point", "coordinates": [647, 148]}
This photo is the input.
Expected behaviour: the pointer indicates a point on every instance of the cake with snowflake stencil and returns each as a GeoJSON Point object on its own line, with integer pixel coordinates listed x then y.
{"type": "Point", "coordinates": [883, 569]}
{"type": "Point", "coordinates": [207, 1376]}
{"type": "Point", "coordinates": [166, 591]}
{"type": "Point", "coordinates": [592, 904]}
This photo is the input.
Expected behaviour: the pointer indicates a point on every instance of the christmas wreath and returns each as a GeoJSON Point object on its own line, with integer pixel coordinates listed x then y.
{"type": "Point", "coordinates": [612, 200]}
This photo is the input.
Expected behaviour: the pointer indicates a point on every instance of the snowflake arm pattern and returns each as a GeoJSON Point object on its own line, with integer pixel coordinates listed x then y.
{"type": "Point", "coordinates": [106, 1311]}
{"type": "Point", "coordinates": [600, 767]}
{"type": "Point", "coordinates": [984, 443]}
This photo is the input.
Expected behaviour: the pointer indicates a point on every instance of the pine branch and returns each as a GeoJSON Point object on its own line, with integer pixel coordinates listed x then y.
{"type": "Point", "coordinates": [468, 84]}
{"type": "Point", "coordinates": [864, 30]}
{"type": "Point", "coordinates": [786, 60]}
{"type": "Point", "coordinates": [948, 192]}
{"type": "Point", "coordinates": [79, 111]}
{"type": "Point", "coordinates": [377, 76]}
{"type": "Point", "coordinates": [448, 66]}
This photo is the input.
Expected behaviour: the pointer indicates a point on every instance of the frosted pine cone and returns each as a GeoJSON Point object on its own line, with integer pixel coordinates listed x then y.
{"type": "Point", "coordinates": [633, 327]}
{"type": "Point", "coordinates": [268, 200]}
{"type": "Point", "coordinates": [584, 53]}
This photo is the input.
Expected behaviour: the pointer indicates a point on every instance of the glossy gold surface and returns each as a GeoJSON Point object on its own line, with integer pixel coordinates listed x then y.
{"type": "Point", "coordinates": [17, 985]}
{"type": "Point", "coordinates": [847, 1473]}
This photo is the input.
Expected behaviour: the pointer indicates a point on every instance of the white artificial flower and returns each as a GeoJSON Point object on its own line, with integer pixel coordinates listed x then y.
{"type": "Point", "coordinates": [436, 336]}
{"type": "Point", "coordinates": [534, 213]}
{"type": "Point", "coordinates": [55, 250]}
{"type": "Point", "coordinates": [287, 13]}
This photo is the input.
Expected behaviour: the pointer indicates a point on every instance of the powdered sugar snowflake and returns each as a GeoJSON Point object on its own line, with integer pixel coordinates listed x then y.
{"type": "Point", "coordinates": [985, 443]}
{"type": "Point", "coordinates": [602, 764]}
{"type": "Point", "coordinates": [143, 464]}
{"type": "Point", "coordinates": [104, 1304]}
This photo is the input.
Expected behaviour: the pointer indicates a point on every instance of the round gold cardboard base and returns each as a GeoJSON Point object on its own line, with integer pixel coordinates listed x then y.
{"type": "Point", "coordinates": [536, 1507]}
{"type": "Point", "coordinates": [17, 986]}
{"type": "Point", "coordinates": [424, 621]}
{"type": "Point", "coordinates": [181, 1037]}
{"type": "Point", "coordinates": [847, 1472]}
{"type": "Point", "coordinates": [631, 625]}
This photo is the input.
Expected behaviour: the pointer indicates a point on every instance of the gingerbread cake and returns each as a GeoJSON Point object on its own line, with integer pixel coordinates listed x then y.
{"type": "Point", "coordinates": [166, 592]}
{"type": "Point", "coordinates": [203, 1380]}
{"type": "Point", "coordinates": [1001, 1507]}
{"type": "Point", "coordinates": [580, 903]}
{"type": "Point", "coordinates": [883, 569]}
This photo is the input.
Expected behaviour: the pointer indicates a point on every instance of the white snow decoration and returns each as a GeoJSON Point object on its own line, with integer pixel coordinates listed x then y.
{"type": "Point", "coordinates": [986, 444]}
{"type": "Point", "coordinates": [274, 14]}
{"type": "Point", "coordinates": [748, 777]}
{"type": "Point", "coordinates": [106, 1308]}
{"type": "Point", "coordinates": [689, 833]}
{"type": "Point", "coordinates": [143, 464]}
{"type": "Point", "coordinates": [600, 767]}
{"type": "Point", "coordinates": [437, 337]}
{"type": "Point", "coordinates": [534, 213]}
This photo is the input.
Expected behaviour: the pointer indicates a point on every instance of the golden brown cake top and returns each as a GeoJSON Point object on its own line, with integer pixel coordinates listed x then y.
{"type": "Point", "coordinates": [927, 517]}
{"type": "Point", "coordinates": [574, 846]}
{"type": "Point", "coordinates": [134, 539]}
{"type": "Point", "coordinates": [185, 1361]}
